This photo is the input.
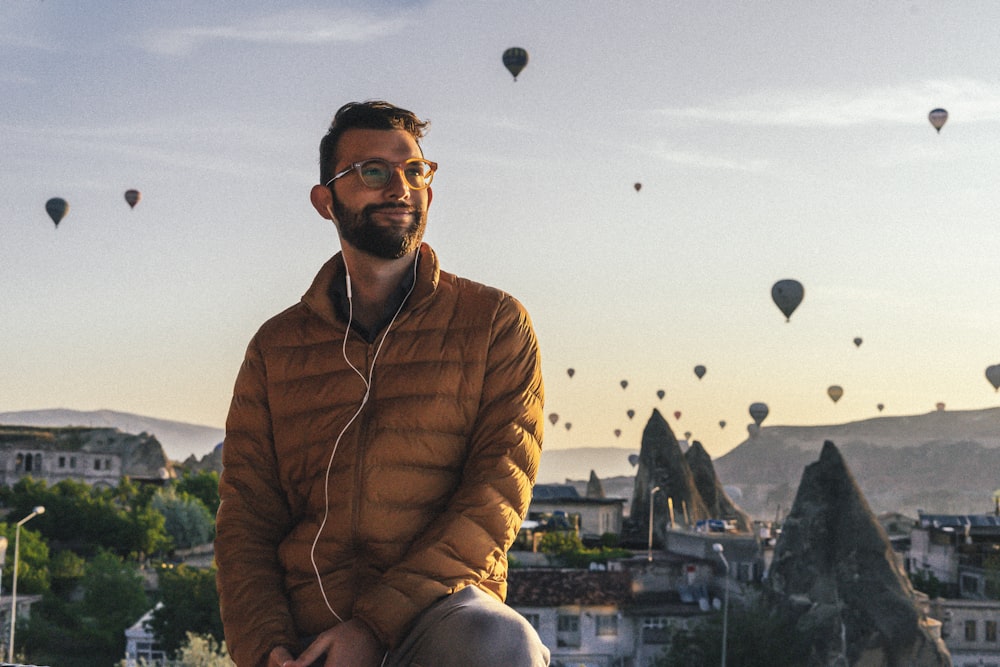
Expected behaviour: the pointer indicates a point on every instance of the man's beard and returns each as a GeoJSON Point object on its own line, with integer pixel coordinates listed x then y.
{"type": "Point", "coordinates": [385, 242]}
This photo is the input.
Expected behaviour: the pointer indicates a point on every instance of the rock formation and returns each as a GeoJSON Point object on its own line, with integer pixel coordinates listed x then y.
{"type": "Point", "coordinates": [594, 487]}
{"type": "Point", "coordinates": [720, 506]}
{"type": "Point", "coordinates": [836, 577]}
{"type": "Point", "coordinates": [662, 464]}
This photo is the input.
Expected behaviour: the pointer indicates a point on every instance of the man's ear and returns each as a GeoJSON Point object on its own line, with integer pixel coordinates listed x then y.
{"type": "Point", "coordinates": [430, 195]}
{"type": "Point", "coordinates": [322, 201]}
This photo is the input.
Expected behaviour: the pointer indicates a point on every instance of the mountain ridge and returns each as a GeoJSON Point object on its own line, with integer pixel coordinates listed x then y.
{"type": "Point", "coordinates": [179, 439]}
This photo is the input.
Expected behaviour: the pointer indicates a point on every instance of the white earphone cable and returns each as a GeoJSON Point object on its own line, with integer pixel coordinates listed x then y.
{"type": "Point", "coordinates": [364, 401]}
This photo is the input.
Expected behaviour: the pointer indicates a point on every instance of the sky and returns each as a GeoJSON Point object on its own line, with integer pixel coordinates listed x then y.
{"type": "Point", "coordinates": [773, 140]}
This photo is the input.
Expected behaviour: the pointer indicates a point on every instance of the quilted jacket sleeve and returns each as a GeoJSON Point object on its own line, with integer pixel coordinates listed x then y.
{"type": "Point", "coordinates": [468, 543]}
{"type": "Point", "coordinates": [251, 521]}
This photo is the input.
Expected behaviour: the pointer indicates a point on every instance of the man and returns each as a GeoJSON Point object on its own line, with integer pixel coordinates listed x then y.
{"type": "Point", "coordinates": [382, 442]}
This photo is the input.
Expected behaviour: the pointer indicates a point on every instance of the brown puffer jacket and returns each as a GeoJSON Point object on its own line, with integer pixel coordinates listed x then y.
{"type": "Point", "coordinates": [427, 487]}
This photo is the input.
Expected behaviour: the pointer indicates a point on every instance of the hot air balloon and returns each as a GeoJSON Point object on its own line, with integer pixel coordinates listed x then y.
{"type": "Point", "coordinates": [633, 459]}
{"type": "Point", "coordinates": [553, 418]}
{"type": "Point", "coordinates": [787, 295]}
{"type": "Point", "coordinates": [133, 197]}
{"type": "Point", "coordinates": [618, 432]}
{"type": "Point", "coordinates": [677, 414]}
{"type": "Point", "coordinates": [637, 186]}
{"type": "Point", "coordinates": [835, 391]}
{"type": "Point", "coordinates": [699, 370]}
{"type": "Point", "coordinates": [857, 342]}
{"type": "Point", "coordinates": [514, 59]}
{"type": "Point", "coordinates": [993, 375]}
{"type": "Point", "coordinates": [57, 208]}
{"type": "Point", "coordinates": [759, 412]}
{"type": "Point", "coordinates": [722, 423]}
{"type": "Point", "coordinates": [880, 406]}
{"type": "Point", "coordinates": [568, 426]}
{"type": "Point", "coordinates": [660, 394]}
{"type": "Point", "coordinates": [687, 435]}
{"type": "Point", "coordinates": [938, 117]}
{"type": "Point", "coordinates": [630, 413]}
{"type": "Point", "coordinates": [570, 372]}
{"type": "Point", "coordinates": [939, 406]}
{"type": "Point", "coordinates": [624, 383]}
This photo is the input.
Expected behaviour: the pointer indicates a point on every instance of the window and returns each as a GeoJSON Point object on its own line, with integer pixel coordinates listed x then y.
{"type": "Point", "coordinates": [62, 461]}
{"type": "Point", "coordinates": [72, 462]}
{"type": "Point", "coordinates": [568, 630]}
{"type": "Point", "coordinates": [991, 631]}
{"type": "Point", "coordinates": [569, 623]}
{"type": "Point", "coordinates": [606, 625]}
{"type": "Point", "coordinates": [970, 631]}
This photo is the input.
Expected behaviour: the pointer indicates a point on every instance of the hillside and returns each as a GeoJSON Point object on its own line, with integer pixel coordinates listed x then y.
{"type": "Point", "coordinates": [941, 462]}
{"type": "Point", "coordinates": [179, 440]}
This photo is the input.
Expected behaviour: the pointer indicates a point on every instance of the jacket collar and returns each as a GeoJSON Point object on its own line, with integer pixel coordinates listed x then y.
{"type": "Point", "coordinates": [330, 284]}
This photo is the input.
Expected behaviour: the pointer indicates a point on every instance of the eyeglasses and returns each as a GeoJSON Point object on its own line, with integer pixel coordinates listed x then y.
{"type": "Point", "coordinates": [376, 173]}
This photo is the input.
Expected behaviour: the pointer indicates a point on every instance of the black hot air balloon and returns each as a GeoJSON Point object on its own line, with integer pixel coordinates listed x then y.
{"type": "Point", "coordinates": [57, 208]}
{"type": "Point", "coordinates": [570, 372]}
{"type": "Point", "coordinates": [759, 412]}
{"type": "Point", "coordinates": [857, 342]}
{"type": "Point", "coordinates": [699, 370]}
{"type": "Point", "coordinates": [660, 394]}
{"type": "Point", "coordinates": [132, 197]}
{"type": "Point", "coordinates": [787, 295]}
{"type": "Point", "coordinates": [630, 413]}
{"type": "Point", "coordinates": [993, 375]}
{"type": "Point", "coordinates": [514, 59]}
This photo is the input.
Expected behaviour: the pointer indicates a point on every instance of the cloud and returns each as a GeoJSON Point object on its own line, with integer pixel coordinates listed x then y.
{"type": "Point", "coordinates": [288, 28]}
{"type": "Point", "coordinates": [974, 100]}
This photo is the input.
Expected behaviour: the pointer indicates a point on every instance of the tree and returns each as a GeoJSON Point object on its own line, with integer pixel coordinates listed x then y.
{"type": "Point", "coordinates": [87, 519]}
{"type": "Point", "coordinates": [190, 604]}
{"type": "Point", "coordinates": [756, 635]}
{"type": "Point", "coordinates": [89, 631]}
{"type": "Point", "coordinates": [186, 519]}
{"type": "Point", "coordinates": [33, 557]}
{"type": "Point", "coordinates": [202, 485]}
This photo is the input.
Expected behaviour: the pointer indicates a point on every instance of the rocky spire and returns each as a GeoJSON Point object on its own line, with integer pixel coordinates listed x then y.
{"type": "Point", "coordinates": [662, 464]}
{"type": "Point", "coordinates": [718, 502]}
{"type": "Point", "coordinates": [835, 574]}
{"type": "Point", "coordinates": [594, 487]}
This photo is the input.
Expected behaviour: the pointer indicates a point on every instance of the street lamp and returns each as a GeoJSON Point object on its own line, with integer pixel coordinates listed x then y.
{"type": "Point", "coordinates": [649, 552]}
{"type": "Point", "coordinates": [13, 589]}
{"type": "Point", "coordinates": [725, 604]}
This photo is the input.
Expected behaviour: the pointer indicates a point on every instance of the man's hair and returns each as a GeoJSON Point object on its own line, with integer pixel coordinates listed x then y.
{"type": "Point", "coordinates": [370, 115]}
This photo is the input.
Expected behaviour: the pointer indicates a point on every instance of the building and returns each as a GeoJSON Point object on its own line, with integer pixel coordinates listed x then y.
{"type": "Point", "coordinates": [605, 618]}
{"type": "Point", "coordinates": [563, 505]}
{"type": "Point", "coordinates": [95, 456]}
{"type": "Point", "coordinates": [962, 551]}
{"type": "Point", "coordinates": [969, 629]}
{"type": "Point", "coordinates": [140, 644]}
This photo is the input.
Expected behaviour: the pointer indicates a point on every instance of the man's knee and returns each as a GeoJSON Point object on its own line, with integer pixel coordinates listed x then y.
{"type": "Point", "coordinates": [480, 631]}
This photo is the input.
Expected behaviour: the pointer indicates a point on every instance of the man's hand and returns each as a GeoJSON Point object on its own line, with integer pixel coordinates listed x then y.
{"type": "Point", "coordinates": [350, 644]}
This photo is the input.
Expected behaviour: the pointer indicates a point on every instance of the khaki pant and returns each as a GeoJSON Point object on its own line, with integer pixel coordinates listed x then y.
{"type": "Point", "coordinates": [470, 629]}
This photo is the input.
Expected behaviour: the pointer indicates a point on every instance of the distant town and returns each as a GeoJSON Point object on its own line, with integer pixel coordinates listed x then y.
{"type": "Point", "coordinates": [871, 543]}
